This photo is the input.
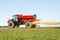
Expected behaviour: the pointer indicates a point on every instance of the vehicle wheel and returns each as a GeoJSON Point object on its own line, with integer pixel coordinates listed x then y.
{"type": "Point", "coordinates": [33, 25]}
{"type": "Point", "coordinates": [11, 25]}
{"type": "Point", "coordinates": [28, 25]}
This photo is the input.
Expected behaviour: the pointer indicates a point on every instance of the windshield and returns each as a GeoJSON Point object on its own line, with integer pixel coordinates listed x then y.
{"type": "Point", "coordinates": [15, 18]}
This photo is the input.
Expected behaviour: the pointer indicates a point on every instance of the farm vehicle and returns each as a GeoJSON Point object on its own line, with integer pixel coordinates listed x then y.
{"type": "Point", "coordinates": [29, 21]}
{"type": "Point", "coordinates": [18, 20]}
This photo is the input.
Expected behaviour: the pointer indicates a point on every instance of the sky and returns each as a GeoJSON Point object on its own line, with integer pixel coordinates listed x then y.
{"type": "Point", "coordinates": [44, 9]}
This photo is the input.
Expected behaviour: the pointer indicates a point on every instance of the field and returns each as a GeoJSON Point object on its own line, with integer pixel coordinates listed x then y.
{"type": "Point", "coordinates": [29, 33]}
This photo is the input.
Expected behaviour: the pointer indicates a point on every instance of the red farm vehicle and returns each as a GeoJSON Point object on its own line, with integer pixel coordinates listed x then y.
{"type": "Point", "coordinates": [29, 21]}
{"type": "Point", "coordinates": [18, 20]}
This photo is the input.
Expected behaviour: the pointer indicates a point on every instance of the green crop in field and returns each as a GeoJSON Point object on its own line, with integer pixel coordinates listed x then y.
{"type": "Point", "coordinates": [30, 34]}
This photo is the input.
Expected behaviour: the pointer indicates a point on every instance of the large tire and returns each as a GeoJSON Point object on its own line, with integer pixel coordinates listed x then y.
{"type": "Point", "coordinates": [11, 25]}
{"type": "Point", "coordinates": [33, 26]}
{"type": "Point", "coordinates": [29, 25]}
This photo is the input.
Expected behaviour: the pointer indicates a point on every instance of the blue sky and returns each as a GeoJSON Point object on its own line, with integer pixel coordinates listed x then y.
{"type": "Point", "coordinates": [45, 9]}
